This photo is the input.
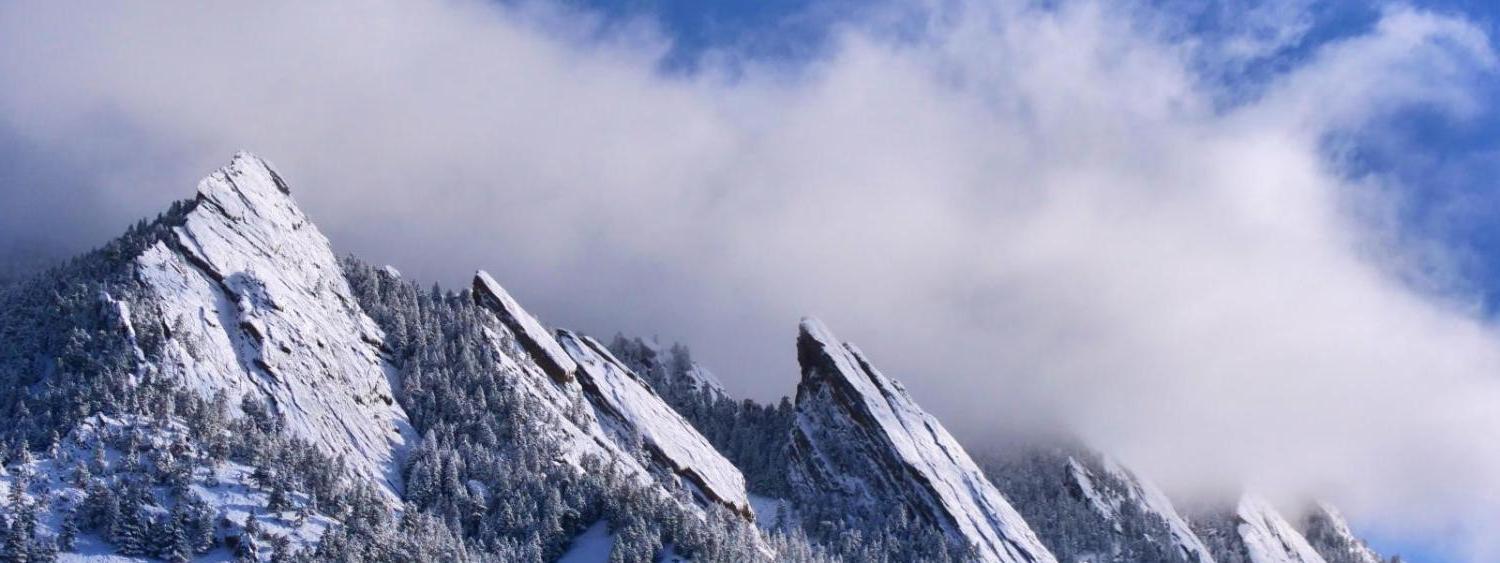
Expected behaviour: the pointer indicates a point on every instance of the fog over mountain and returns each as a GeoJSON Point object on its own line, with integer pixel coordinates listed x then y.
{"type": "Point", "coordinates": [1034, 216]}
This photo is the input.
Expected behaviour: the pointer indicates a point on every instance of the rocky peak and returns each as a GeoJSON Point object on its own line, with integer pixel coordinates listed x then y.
{"type": "Point", "coordinates": [1328, 533]}
{"type": "Point", "coordinates": [1254, 531]}
{"type": "Point", "coordinates": [859, 437]}
{"type": "Point", "coordinates": [255, 304]}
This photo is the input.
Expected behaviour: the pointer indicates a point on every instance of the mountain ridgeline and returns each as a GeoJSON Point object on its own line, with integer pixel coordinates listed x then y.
{"type": "Point", "coordinates": [218, 384]}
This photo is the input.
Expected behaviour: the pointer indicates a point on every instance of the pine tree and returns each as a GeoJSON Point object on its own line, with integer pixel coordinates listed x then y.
{"type": "Point", "coordinates": [22, 529]}
{"type": "Point", "coordinates": [278, 501]}
{"type": "Point", "coordinates": [180, 548]}
{"type": "Point", "coordinates": [17, 543]}
{"type": "Point", "coordinates": [43, 550]}
{"type": "Point", "coordinates": [129, 530]}
{"type": "Point", "coordinates": [248, 548]}
{"type": "Point", "coordinates": [67, 536]}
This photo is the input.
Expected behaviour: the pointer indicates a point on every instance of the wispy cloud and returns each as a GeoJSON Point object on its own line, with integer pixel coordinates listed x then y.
{"type": "Point", "coordinates": [1028, 214]}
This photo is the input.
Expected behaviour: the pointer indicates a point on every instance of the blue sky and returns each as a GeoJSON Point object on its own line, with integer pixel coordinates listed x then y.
{"type": "Point", "coordinates": [1449, 165]}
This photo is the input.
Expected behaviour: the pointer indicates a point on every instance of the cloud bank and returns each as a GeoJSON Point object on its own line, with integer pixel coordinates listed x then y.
{"type": "Point", "coordinates": [1031, 215]}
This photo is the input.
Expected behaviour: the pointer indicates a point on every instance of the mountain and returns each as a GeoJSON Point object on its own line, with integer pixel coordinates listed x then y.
{"type": "Point", "coordinates": [634, 410]}
{"type": "Point", "coordinates": [861, 442]}
{"type": "Point", "coordinates": [620, 413]}
{"type": "Point", "coordinates": [1088, 507]}
{"type": "Point", "coordinates": [253, 303]}
{"type": "Point", "coordinates": [1328, 534]}
{"type": "Point", "coordinates": [1254, 532]}
{"type": "Point", "coordinates": [215, 384]}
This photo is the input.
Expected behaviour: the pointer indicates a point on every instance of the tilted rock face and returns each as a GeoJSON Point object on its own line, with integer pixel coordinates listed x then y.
{"type": "Point", "coordinates": [545, 372]}
{"type": "Point", "coordinates": [629, 407]}
{"type": "Point", "coordinates": [529, 332]}
{"type": "Point", "coordinates": [604, 409]}
{"type": "Point", "coordinates": [1088, 507]}
{"type": "Point", "coordinates": [1328, 533]}
{"type": "Point", "coordinates": [859, 437]}
{"type": "Point", "coordinates": [255, 304]}
{"type": "Point", "coordinates": [1254, 533]}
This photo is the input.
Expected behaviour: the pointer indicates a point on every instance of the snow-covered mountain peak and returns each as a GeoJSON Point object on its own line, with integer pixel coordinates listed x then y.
{"type": "Point", "coordinates": [533, 337]}
{"type": "Point", "coordinates": [255, 304]}
{"type": "Point", "coordinates": [861, 438]}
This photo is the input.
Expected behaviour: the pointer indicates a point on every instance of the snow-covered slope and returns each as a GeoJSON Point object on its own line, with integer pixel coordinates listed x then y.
{"type": "Point", "coordinates": [1328, 533]}
{"type": "Point", "coordinates": [576, 431]}
{"type": "Point", "coordinates": [1148, 499]}
{"type": "Point", "coordinates": [256, 305]}
{"type": "Point", "coordinates": [1268, 537]}
{"type": "Point", "coordinates": [632, 408]}
{"type": "Point", "coordinates": [533, 337]}
{"type": "Point", "coordinates": [1088, 507]}
{"type": "Point", "coordinates": [1254, 532]}
{"type": "Point", "coordinates": [211, 505]}
{"type": "Point", "coordinates": [861, 438]}
{"type": "Point", "coordinates": [568, 371]}
{"type": "Point", "coordinates": [1117, 494]}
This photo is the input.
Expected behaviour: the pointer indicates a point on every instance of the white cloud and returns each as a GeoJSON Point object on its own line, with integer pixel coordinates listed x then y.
{"type": "Point", "coordinates": [1026, 214]}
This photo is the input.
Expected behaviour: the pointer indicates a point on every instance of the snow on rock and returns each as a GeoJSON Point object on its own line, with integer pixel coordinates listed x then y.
{"type": "Point", "coordinates": [255, 304]}
{"type": "Point", "coordinates": [1151, 500]}
{"type": "Point", "coordinates": [1081, 478]}
{"type": "Point", "coordinates": [577, 432]}
{"type": "Point", "coordinates": [1269, 538]}
{"type": "Point", "coordinates": [1328, 533]}
{"type": "Point", "coordinates": [533, 337]}
{"type": "Point", "coordinates": [860, 436]}
{"type": "Point", "coordinates": [634, 409]}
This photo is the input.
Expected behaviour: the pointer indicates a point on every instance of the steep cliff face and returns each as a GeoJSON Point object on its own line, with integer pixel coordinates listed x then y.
{"type": "Point", "coordinates": [605, 409]}
{"type": "Point", "coordinates": [533, 337]}
{"type": "Point", "coordinates": [628, 406]}
{"type": "Point", "coordinates": [545, 372]}
{"type": "Point", "coordinates": [255, 305]}
{"type": "Point", "coordinates": [861, 441]}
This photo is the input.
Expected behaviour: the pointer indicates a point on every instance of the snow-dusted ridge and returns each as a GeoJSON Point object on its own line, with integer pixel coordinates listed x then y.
{"type": "Point", "coordinates": [567, 367]}
{"type": "Point", "coordinates": [1268, 537]}
{"type": "Point", "coordinates": [632, 407]}
{"type": "Point", "coordinates": [861, 436]}
{"type": "Point", "coordinates": [533, 337]}
{"type": "Point", "coordinates": [256, 305]}
{"type": "Point", "coordinates": [1328, 533]}
{"type": "Point", "coordinates": [1152, 500]}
